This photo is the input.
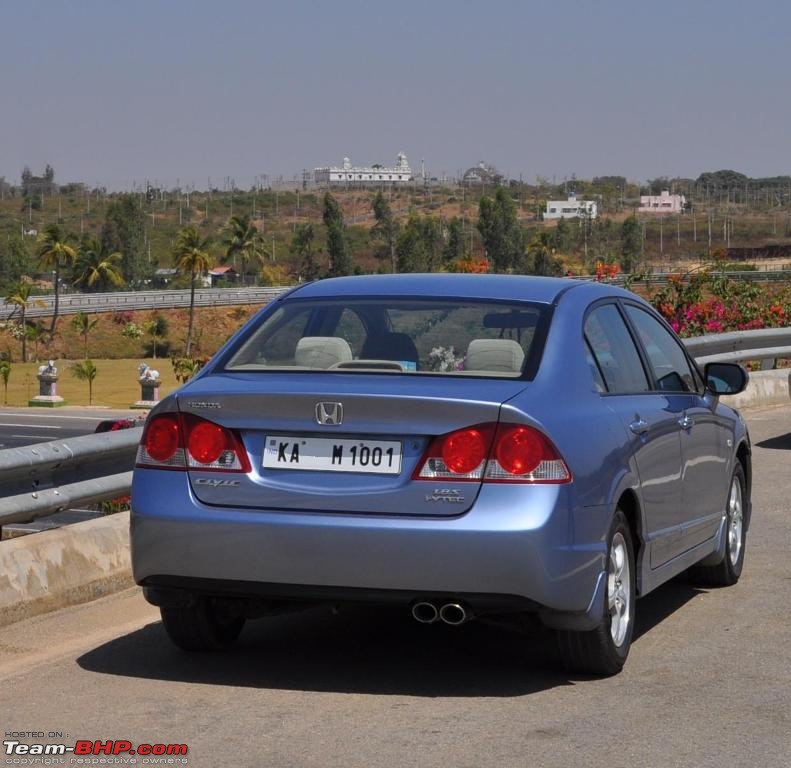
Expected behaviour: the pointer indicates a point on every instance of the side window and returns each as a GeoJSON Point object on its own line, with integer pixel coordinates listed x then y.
{"type": "Point", "coordinates": [613, 348]}
{"type": "Point", "coordinates": [671, 368]}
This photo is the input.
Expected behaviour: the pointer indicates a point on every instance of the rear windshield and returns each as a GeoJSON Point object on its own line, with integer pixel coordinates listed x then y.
{"type": "Point", "coordinates": [396, 335]}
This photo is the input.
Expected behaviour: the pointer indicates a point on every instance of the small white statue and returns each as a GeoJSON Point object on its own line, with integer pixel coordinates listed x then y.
{"type": "Point", "coordinates": [48, 370]}
{"type": "Point", "coordinates": [145, 373]}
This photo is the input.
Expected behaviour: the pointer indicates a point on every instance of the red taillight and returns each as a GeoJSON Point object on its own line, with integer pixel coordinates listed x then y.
{"type": "Point", "coordinates": [184, 441]}
{"type": "Point", "coordinates": [463, 451]}
{"type": "Point", "coordinates": [504, 453]}
{"type": "Point", "coordinates": [161, 439]}
{"type": "Point", "coordinates": [459, 455]}
{"type": "Point", "coordinates": [518, 450]}
{"type": "Point", "coordinates": [206, 442]}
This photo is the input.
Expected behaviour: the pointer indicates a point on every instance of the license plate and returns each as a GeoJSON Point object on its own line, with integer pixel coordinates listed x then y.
{"type": "Point", "coordinates": [326, 454]}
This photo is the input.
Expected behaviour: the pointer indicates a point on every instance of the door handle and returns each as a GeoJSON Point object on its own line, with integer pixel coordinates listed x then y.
{"type": "Point", "coordinates": [686, 422]}
{"type": "Point", "coordinates": [639, 426]}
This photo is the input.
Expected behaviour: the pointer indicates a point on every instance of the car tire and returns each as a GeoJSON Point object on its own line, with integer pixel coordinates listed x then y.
{"type": "Point", "coordinates": [603, 650]}
{"type": "Point", "coordinates": [201, 626]}
{"type": "Point", "coordinates": [727, 572]}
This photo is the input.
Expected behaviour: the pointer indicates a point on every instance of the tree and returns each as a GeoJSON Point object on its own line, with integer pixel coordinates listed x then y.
{"type": "Point", "coordinates": [96, 269]}
{"type": "Point", "coordinates": [83, 325]}
{"type": "Point", "coordinates": [124, 232]}
{"type": "Point", "coordinates": [85, 371]}
{"type": "Point", "coordinates": [302, 248]}
{"type": "Point", "coordinates": [455, 249]}
{"type": "Point", "coordinates": [631, 244]}
{"type": "Point", "coordinates": [564, 237]}
{"type": "Point", "coordinates": [242, 241]}
{"type": "Point", "coordinates": [38, 334]}
{"type": "Point", "coordinates": [14, 259]}
{"type": "Point", "coordinates": [386, 229]}
{"type": "Point", "coordinates": [542, 255]}
{"type": "Point", "coordinates": [156, 328]}
{"type": "Point", "coordinates": [55, 251]}
{"type": "Point", "coordinates": [190, 255]}
{"type": "Point", "coordinates": [19, 296]}
{"type": "Point", "coordinates": [337, 242]}
{"type": "Point", "coordinates": [5, 372]}
{"type": "Point", "coordinates": [419, 246]}
{"type": "Point", "coordinates": [502, 237]}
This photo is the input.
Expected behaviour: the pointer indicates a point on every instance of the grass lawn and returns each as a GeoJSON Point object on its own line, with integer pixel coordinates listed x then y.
{"type": "Point", "coordinates": [116, 384]}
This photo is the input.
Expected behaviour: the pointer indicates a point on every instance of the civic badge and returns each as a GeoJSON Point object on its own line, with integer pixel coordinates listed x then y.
{"type": "Point", "coordinates": [329, 414]}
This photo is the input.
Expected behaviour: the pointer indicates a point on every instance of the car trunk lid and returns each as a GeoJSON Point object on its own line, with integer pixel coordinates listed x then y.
{"type": "Point", "coordinates": [346, 443]}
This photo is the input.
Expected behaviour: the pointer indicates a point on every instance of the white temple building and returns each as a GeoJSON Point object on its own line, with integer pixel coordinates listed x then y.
{"type": "Point", "coordinates": [374, 175]}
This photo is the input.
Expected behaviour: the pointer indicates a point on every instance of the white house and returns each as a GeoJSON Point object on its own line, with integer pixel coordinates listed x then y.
{"type": "Point", "coordinates": [571, 209]}
{"type": "Point", "coordinates": [374, 175]}
{"type": "Point", "coordinates": [662, 203]}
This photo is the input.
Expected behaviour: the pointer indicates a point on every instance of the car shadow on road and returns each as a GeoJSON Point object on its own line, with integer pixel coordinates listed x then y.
{"type": "Point", "coordinates": [777, 443]}
{"type": "Point", "coordinates": [367, 650]}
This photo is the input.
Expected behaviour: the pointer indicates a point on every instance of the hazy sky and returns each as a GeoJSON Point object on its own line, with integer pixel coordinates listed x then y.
{"type": "Point", "coordinates": [112, 92]}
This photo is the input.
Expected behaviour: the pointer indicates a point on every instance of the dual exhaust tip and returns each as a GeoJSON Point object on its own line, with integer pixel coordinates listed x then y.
{"type": "Point", "coordinates": [451, 613]}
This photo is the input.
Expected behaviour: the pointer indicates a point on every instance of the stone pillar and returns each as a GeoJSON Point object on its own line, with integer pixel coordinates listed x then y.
{"type": "Point", "coordinates": [149, 393]}
{"type": "Point", "coordinates": [47, 388]}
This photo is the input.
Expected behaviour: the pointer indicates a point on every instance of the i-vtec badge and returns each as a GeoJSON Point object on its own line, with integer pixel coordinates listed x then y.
{"type": "Point", "coordinates": [446, 495]}
{"type": "Point", "coordinates": [213, 482]}
{"type": "Point", "coordinates": [202, 404]}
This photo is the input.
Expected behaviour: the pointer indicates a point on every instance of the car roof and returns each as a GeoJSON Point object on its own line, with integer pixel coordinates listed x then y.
{"type": "Point", "coordinates": [517, 287]}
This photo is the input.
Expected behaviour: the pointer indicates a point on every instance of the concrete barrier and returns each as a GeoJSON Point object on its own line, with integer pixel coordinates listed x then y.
{"type": "Point", "coordinates": [52, 569]}
{"type": "Point", "coordinates": [765, 388]}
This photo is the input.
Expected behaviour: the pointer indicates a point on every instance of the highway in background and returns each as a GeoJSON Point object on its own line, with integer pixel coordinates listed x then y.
{"type": "Point", "coordinates": [26, 426]}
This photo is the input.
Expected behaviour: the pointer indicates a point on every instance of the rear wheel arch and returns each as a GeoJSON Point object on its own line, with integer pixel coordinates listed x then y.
{"type": "Point", "coordinates": [630, 506]}
{"type": "Point", "coordinates": [744, 456]}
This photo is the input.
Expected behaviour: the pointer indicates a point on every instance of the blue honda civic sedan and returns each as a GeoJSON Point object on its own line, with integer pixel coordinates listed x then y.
{"type": "Point", "coordinates": [466, 446]}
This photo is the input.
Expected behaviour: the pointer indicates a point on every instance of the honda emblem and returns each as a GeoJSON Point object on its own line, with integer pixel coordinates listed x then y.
{"type": "Point", "coordinates": [330, 414]}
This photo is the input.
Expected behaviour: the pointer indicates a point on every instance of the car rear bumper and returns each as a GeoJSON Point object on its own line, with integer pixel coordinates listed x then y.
{"type": "Point", "coordinates": [533, 551]}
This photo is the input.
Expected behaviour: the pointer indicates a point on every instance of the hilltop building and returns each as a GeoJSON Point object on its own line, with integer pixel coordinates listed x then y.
{"type": "Point", "coordinates": [662, 203]}
{"type": "Point", "coordinates": [571, 209]}
{"type": "Point", "coordinates": [481, 174]}
{"type": "Point", "coordinates": [39, 185]}
{"type": "Point", "coordinates": [349, 175]}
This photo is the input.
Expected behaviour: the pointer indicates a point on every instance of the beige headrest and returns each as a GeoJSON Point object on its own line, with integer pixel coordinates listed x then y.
{"type": "Point", "coordinates": [494, 355]}
{"type": "Point", "coordinates": [322, 351]}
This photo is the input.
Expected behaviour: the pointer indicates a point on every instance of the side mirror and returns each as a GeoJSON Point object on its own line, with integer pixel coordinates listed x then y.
{"type": "Point", "coordinates": [725, 378]}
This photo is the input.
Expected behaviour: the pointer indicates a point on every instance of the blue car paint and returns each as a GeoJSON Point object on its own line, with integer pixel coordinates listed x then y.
{"type": "Point", "coordinates": [544, 544]}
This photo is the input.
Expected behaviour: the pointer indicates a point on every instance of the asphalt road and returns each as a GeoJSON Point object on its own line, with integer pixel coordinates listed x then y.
{"type": "Point", "coordinates": [25, 426]}
{"type": "Point", "coordinates": [708, 682]}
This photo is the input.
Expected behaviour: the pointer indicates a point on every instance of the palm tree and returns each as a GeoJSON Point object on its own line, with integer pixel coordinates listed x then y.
{"type": "Point", "coordinates": [95, 267]}
{"type": "Point", "coordinates": [38, 334]}
{"type": "Point", "coordinates": [20, 297]}
{"type": "Point", "coordinates": [542, 251]}
{"type": "Point", "coordinates": [242, 241]}
{"type": "Point", "coordinates": [85, 371]}
{"type": "Point", "coordinates": [190, 255]}
{"type": "Point", "coordinates": [83, 325]}
{"type": "Point", "coordinates": [5, 372]}
{"type": "Point", "coordinates": [156, 328]}
{"type": "Point", "coordinates": [55, 251]}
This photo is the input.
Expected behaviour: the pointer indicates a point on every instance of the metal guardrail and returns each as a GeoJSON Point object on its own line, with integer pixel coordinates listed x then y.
{"type": "Point", "coordinates": [41, 479]}
{"type": "Point", "coordinates": [738, 346]}
{"type": "Point", "coordinates": [72, 303]}
{"type": "Point", "coordinates": [45, 478]}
